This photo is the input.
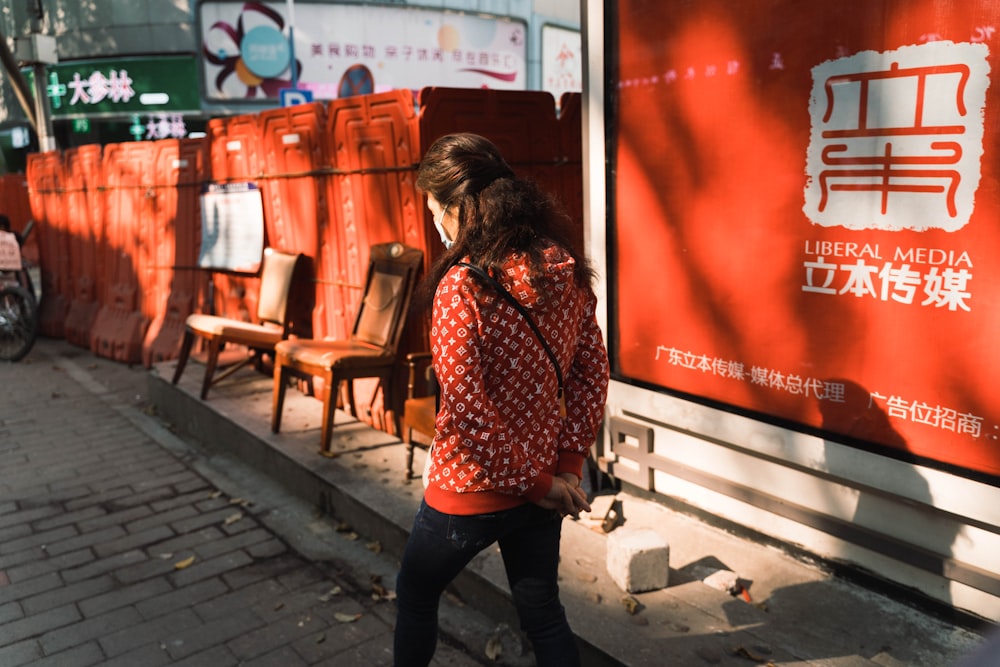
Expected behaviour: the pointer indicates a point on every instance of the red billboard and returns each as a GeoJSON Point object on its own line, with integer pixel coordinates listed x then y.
{"type": "Point", "coordinates": [804, 222]}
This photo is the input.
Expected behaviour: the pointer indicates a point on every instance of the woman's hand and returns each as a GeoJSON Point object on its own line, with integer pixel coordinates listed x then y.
{"type": "Point", "coordinates": [566, 496]}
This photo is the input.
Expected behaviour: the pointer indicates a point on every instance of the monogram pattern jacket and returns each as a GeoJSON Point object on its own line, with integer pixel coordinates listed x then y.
{"type": "Point", "coordinates": [500, 437]}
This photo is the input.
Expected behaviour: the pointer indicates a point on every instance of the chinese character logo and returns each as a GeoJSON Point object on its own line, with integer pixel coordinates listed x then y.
{"type": "Point", "coordinates": [116, 87]}
{"type": "Point", "coordinates": [897, 138]}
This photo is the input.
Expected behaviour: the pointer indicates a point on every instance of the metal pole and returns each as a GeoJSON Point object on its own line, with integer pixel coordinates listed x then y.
{"type": "Point", "coordinates": [43, 113]}
{"type": "Point", "coordinates": [291, 42]}
{"type": "Point", "coordinates": [43, 126]}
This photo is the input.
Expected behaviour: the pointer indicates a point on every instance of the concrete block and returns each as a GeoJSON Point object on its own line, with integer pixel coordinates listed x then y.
{"type": "Point", "coordinates": [724, 580]}
{"type": "Point", "coordinates": [638, 559]}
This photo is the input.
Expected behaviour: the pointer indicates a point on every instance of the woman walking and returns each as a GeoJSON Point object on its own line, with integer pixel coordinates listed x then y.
{"type": "Point", "coordinates": [523, 379]}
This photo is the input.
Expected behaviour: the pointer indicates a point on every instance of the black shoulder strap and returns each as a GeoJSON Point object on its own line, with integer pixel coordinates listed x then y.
{"type": "Point", "coordinates": [502, 291]}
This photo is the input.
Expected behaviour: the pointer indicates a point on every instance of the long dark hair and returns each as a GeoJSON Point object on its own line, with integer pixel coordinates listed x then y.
{"type": "Point", "coordinates": [498, 213]}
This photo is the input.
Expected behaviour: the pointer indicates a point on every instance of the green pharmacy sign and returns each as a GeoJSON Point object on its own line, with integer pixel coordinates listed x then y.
{"type": "Point", "coordinates": [128, 85]}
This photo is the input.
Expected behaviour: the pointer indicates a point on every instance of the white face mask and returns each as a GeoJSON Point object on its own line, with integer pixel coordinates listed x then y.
{"type": "Point", "coordinates": [448, 243]}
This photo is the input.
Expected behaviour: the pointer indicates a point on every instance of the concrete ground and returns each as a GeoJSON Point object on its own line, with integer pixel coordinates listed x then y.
{"type": "Point", "coordinates": [140, 525]}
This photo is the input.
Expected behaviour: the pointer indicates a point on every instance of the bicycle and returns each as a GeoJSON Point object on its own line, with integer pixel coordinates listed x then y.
{"type": "Point", "coordinates": [18, 299]}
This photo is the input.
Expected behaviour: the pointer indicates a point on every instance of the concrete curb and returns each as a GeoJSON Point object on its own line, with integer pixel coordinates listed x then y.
{"type": "Point", "coordinates": [797, 614]}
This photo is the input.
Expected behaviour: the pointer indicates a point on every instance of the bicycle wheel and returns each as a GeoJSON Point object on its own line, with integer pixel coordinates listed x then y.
{"type": "Point", "coordinates": [18, 323]}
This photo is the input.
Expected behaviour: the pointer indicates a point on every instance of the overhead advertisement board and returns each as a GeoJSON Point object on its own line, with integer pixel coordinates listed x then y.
{"type": "Point", "coordinates": [805, 205]}
{"type": "Point", "coordinates": [349, 49]}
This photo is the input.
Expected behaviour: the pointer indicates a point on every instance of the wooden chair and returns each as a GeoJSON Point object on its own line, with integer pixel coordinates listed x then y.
{"type": "Point", "coordinates": [369, 352]}
{"type": "Point", "coordinates": [420, 408]}
{"type": "Point", "coordinates": [272, 326]}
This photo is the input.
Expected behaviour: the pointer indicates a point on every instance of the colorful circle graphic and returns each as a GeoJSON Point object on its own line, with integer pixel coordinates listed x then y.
{"type": "Point", "coordinates": [265, 51]}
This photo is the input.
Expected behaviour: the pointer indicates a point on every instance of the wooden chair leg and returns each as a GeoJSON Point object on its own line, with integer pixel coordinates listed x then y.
{"type": "Point", "coordinates": [350, 399]}
{"type": "Point", "coordinates": [185, 352]}
{"type": "Point", "coordinates": [329, 409]}
{"type": "Point", "coordinates": [214, 347]}
{"type": "Point", "coordinates": [388, 401]}
{"type": "Point", "coordinates": [408, 439]}
{"type": "Point", "coordinates": [278, 398]}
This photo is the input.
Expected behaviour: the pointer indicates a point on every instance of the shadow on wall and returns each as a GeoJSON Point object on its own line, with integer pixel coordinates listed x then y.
{"type": "Point", "coordinates": [895, 514]}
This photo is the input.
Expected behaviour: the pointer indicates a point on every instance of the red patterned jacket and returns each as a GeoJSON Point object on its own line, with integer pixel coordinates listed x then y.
{"type": "Point", "coordinates": [500, 438]}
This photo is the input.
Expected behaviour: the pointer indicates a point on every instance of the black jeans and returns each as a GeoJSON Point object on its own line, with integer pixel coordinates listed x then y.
{"type": "Point", "coordinates": [441, 545]}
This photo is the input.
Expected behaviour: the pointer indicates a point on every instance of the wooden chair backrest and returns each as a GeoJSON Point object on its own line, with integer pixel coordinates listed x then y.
{"type": "Point", "coordinates": [392, 275]}
{"type": "Point", "coordinates": [275, 285]}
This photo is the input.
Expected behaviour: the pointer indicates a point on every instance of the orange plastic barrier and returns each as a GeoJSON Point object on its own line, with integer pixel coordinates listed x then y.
{"type": "Point", "coordinates": [522, 124]}
{"type": "Point", "coordinates": [372, 148]}
{"type": "Point", "coordinates": [15, 202]}
{"type": "Point", "coordinates": [294, 201]}
{"type": "Point", "coordinates": [45, 187]}
{"type": "Point", "coordinates": [83, 175]}
{"type": "Point", "coordinates": [121, 324]}
{"type": "Point", "coordinates": [295, 207]}
{"type": "Point", "coordinates": [175, 281]}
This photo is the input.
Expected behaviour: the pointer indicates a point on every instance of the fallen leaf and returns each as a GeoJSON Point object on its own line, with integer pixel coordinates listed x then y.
{"type": "Point", "coordinates": [346, 618]}
{"type": "Point", "coordinates": [351, 535]}
{"type": "Point", "coordinates": [232, 518]}
{"type": "Point", "coordinates": [180, 565]}
{"type": "Point", "coordinates": [380, 593]}
{"type": "Point", "coordinates": [375, 546]}
{"type": "Point", "coordinates": [631, 604]}
{"type": "Point", "coordinates": [215, 494]}
{"type": "Point", "coordinates": [494, 647]}
{"type": "Point", "coordinates": [336, 590]}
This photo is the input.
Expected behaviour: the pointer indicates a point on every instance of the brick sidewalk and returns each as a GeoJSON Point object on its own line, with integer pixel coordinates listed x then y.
{"type": "Point", "coordinates": [119, 548]}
